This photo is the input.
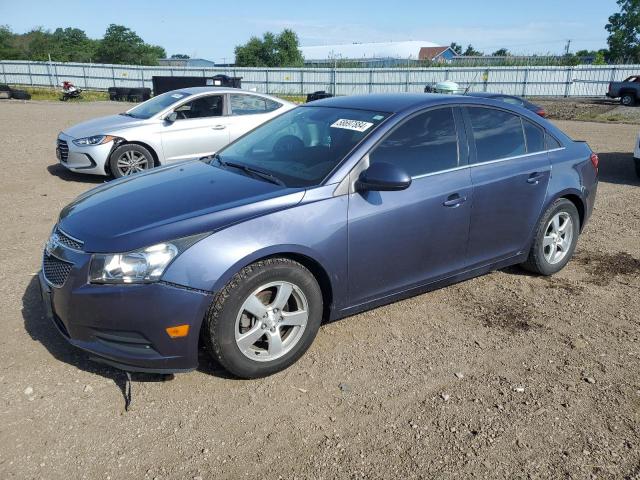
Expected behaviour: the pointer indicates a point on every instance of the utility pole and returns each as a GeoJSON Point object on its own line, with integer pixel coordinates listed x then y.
{"type": "Point", "coordinates": [566, 49]}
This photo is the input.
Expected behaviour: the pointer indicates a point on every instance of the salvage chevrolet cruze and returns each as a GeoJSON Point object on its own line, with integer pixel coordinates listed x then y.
{"type": "Point", "coordinates": [332, 208]}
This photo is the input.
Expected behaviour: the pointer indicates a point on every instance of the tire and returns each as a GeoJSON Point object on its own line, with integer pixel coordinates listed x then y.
{"type": "Point", "coordinates": [628, 99]}
{"type": "Point", "coordinates": [122, 93]}
{"type": "Point", "coordinates": [228, 318]}
{"type": "Point", "coordinates": [20, 95]}
{"type": "Point", "coordinates": [542, 259]}
{"type": "Point", "coordinates": [139, 94]}
{"type": "Point", "coordinates": [131, 153]}
{"type": "Point", "coordinates": [637, 162]}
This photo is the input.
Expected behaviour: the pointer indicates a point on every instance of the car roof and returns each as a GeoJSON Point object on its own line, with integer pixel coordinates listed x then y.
{"type": "Point", "coordinates": [490, 94]}
{"type": "Point", "coordinates": [385, 102]}
{"type": "Point", "coordinates": [196, 90]}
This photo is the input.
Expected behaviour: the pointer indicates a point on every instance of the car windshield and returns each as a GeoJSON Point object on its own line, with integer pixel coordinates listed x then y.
{"type": "Point", "coordinates": [302, 146]}
{"type": "Point", "coordinates": [156, 104]}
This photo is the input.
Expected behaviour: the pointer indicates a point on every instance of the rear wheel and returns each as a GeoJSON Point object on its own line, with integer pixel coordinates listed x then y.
{"type": "Point", "coordinates": [129, 159]}
{"type": "Point", "coordinates": [265, 318]}
{"type": "Point", "coordinates": [555, 240]}
{"type": "Point", "coordinates": [628, 99]}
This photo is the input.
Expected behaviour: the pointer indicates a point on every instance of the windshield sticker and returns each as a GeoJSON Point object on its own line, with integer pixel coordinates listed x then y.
{"type": "Point", "coordinates": [177, 95]}
{"type": "Point", "coordinates": [378, 117]}
{"type": "Point", "coordinates": [357, 125]}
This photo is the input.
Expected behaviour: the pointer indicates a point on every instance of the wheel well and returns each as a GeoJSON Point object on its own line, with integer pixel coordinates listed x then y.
{"type": "Point", "coordinates": [630, 91]}
{"type": "Point", "coordinates": [318, 272]}
{"type": "Point", "coordinates": [156, 161]}
{"type": "Point", "coordinates": [577, 201]}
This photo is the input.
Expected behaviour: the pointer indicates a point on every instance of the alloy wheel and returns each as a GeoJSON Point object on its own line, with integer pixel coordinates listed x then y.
{"type": "Point", "coordinates": [271, 321]}
{"type": "Point", "coordinates": [131, 162]}
{"type": "Point", "coordinates": [558, 237]}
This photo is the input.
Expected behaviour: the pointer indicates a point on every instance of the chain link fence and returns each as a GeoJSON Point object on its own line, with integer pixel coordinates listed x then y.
{"type": "Point", "coordinates": [553, 81]}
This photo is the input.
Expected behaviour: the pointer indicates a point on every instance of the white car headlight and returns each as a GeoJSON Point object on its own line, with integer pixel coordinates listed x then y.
{"type": "Point", "coordinates": [93, 140]}
{"type": "Point", "coordinates": [145, 265]}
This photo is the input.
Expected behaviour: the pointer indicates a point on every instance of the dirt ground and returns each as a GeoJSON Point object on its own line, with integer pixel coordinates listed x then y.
{"type": "Point", "coordinates": [589, 109]}
{"type": "Point", "coordinates": [505, 376]}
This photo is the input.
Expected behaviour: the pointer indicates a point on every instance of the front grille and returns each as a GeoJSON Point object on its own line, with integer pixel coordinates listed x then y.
{"type": "Point", "coordinates": [55, 270]}
{"type": "Point", "coordinates": [68, 241]}
{"type": "Point", "coordinates": [63, 147]}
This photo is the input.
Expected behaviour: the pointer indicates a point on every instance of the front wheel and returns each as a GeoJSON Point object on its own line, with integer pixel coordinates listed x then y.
{"type": "Point", "coordinates": [555, 238]}
{"type": "Point", "coordinates": [129, 159]}
{"type": "Point", "coordinates": [265, 319]}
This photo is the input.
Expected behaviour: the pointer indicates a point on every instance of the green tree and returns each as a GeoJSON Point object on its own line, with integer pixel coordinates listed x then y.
{"type": "Point", "coordinates": [73, 45]}
{"type": "Point", "coordinates": [456, 48]}
{"type": "Point", "coordinates": [8, 50]}
{"type": "Point", "coordinates": [180, 56]}
{"type": "Point", "coordinates": [624, 32]}
{"type": "Point", "coordinates": [123, 46]}
{"type": "Point", "coordinates": [501, 52]}
{"type": "Point", "coordinates": [472, 52]}
{"type": "Point", "coordinates": [271, 51]}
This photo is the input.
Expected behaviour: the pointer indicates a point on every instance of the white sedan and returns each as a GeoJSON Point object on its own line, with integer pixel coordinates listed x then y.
{"type": "Point", "coordinates": [177, 125]}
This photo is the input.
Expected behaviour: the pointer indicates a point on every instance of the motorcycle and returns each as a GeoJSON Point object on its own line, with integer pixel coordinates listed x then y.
{"type": "Point", "coordinates": [69, 90]}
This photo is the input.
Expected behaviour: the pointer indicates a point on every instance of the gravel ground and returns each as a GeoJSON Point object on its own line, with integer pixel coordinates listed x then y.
{"type": "Point", "coordinates": [504, 376]}
{"type": "Point", "coordinates": [594, 110]}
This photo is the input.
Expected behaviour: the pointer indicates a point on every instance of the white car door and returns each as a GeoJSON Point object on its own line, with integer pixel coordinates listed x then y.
{"type": "Point", "coordinates": [248, 111]}
{"type": "Point", "coordinates": [200, 129]}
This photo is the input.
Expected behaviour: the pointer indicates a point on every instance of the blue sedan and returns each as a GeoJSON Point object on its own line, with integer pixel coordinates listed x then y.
{"type": "Point", "coordinates": [330, 209]}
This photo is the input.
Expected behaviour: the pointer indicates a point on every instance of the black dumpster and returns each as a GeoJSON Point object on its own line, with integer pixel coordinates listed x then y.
{"type": "Point", "coordinates": [166, 84]}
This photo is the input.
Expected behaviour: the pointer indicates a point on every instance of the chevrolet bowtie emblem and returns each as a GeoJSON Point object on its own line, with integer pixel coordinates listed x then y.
{"type": "Point", "coordinates": [52, 243]}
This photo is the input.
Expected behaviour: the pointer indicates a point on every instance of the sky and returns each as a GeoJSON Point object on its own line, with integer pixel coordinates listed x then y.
{"type": "Point", "coordinates": [211, 29]}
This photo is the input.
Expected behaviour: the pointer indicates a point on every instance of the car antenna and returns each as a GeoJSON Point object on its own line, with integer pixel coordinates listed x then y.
{"type": "Point", "coordinates": [466, 90]}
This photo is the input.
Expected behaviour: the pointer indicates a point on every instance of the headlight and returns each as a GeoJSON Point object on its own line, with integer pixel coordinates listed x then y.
{"type": "Point", "coordinates": [139, 266]}
{"type": "Point", "coordinates": [94, 140]}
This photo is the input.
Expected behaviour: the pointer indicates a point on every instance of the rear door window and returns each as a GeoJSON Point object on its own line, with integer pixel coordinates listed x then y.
{"type": "Point", "coordinates": [426, 143]}
{"type": "Point", "coordinates": [242, 104]}
{"type": "Point", "coordinates": [497, 134]}
{"type": "Point", "coordinates": [534, 136]}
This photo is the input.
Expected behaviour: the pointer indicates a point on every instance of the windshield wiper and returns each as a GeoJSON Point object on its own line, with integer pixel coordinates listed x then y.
{"type": "Point", "coordinates": [127, 114]}
{"type": "Point", "coordinates": [251, 170]}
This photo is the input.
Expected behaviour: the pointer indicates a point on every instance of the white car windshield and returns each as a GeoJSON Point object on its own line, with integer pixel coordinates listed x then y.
{"type": "Point", "coordinates": [157, 104]}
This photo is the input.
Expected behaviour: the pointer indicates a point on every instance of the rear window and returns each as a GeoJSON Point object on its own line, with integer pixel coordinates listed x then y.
{"type": "Point", "coordinates": [497, 134]}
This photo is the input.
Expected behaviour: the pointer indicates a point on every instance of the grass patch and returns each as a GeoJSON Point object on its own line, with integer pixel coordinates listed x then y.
{"type": "Point", "coordinates": [292, 98]}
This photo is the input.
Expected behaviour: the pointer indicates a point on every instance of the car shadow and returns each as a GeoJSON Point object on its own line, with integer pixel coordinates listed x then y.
{"type": "Point", "coordinates": [618, 168]}
{"type": "Point", "coordinates": [62, 173]}
{"type": "Point", "coordinates": [42, 330]}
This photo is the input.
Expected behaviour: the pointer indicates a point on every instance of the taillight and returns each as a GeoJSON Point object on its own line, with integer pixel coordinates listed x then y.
{"type": "Point", "coordinates": [542, 113]}
{"type": "Point", "coordinates": [595, 160]}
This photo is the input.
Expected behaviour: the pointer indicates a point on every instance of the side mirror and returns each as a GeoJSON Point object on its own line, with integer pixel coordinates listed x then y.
{"type": "Point", "coordinates": [383, 177]}
{"type": "Point", "coordinates": [172, 117]}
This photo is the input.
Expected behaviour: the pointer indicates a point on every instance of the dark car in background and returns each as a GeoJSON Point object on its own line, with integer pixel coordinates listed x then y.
{"type": "Point", "coordinates": [512, 100]}
{"type": "Point", "coordinates": [332, 208]}
{"type": "Point", "coordinates": [628, 90]}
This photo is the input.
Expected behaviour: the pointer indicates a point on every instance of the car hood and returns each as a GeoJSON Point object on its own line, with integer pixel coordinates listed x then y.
{"type": "Point", "coordinates": [102, 125]}
{"type": "Point", "coordinates": [168, 203]}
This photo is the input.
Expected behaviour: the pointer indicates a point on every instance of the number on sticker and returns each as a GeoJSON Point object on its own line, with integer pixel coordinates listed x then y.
{"type": "Point", "coordinates": [357, 125]}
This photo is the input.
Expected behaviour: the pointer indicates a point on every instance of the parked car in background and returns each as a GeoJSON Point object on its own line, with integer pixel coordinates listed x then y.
{"type": "Point", "coordinates": [177, 125]}
{"type": "Point", "coordinates": [636, 156]}
{"type": "Point", "coordinates": [628, 91]}
{"type": "Point", "coordinates": [335, 207]}
{"type": "Point", "coordinates": [512, 100]}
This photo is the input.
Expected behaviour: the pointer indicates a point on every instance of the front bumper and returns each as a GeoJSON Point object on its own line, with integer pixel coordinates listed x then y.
{"type": "Point", "coordinates": [90, 159]}
{"type": "Point", "coordinates": [124, 325]}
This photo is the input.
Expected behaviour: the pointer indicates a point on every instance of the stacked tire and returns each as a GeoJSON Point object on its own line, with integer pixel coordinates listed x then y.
{"type": "Point", "coordinates": [122, 94]}
{"type": "Point", "coordinates": [7, 92]}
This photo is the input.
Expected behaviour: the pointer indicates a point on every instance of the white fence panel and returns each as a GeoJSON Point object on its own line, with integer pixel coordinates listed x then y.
{"type": "Point", "coordinates": [578, 81]}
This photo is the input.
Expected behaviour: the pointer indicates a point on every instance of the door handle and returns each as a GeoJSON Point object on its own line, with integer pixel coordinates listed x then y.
{"type": "Point", "coordinates": [534, 178]}
{"type": "Point", "coordinates": [454, 200]}
{"type": "Point", "coordinates": [219, 127]}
